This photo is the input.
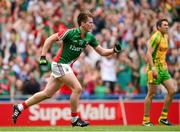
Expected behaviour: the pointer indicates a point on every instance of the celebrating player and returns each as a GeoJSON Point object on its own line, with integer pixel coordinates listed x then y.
{"type": "Point", "coordinates": [74, 41]}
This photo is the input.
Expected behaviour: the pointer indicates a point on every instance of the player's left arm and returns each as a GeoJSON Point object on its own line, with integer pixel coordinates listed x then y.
{"type": "Point", "coordinates": [104, 52]}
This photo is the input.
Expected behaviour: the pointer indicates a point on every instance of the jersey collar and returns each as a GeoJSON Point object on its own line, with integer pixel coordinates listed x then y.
{"type": "Point", "coordinates": [79, 31]}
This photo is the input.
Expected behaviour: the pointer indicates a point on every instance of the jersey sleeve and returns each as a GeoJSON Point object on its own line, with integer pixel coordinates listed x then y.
{"type": "Point", "coordinates": [62, 34]}
{"type": "Point", "coordinates": [93, 42]}
{"type": "Point", "coordinates": [155, 40]}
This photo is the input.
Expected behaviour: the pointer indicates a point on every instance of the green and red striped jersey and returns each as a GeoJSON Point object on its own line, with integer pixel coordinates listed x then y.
{"type": "Point", "coordinates": [73, 44]}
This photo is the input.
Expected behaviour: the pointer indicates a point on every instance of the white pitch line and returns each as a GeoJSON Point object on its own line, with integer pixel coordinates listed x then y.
{"type": "Point", "coordinates": [88, 131]}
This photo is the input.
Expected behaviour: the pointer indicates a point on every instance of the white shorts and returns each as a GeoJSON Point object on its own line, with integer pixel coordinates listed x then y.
{"type": "Point", "coordinates": [59, 70]}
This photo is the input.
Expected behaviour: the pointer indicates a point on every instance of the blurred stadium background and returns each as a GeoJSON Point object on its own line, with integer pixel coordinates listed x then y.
{"type": "Point", "coordinates": [114, 85]}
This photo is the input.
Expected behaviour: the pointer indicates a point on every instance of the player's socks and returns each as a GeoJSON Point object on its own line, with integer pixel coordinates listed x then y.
{"type": "Point", "coordinates": [146, 121]}
{"type": "Point", "coordinates": [76, 120]}
{"type": "Point", "coordinates": [163, 119]}
{"type": "Point", "coordinates": [146, 118]}
{"type": "Point", "coordinates": [22, 106]}
{"type": "Point", "coordinates": [74, 116]}
{"type": "Point", "coordinates": [164, 114]}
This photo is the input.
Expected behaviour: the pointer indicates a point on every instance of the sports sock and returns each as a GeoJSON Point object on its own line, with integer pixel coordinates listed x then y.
{"type": "Point", "coordinates": [146, 118]}
{"type": "Point", "coordinates": [74, 116]}
{"type": "Point", "coordinates": [164, 114]}
{"type": "Point", "coordinates": [22, 106]}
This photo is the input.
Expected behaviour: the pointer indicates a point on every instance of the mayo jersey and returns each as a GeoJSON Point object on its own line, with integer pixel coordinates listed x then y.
{"type": "Point", "coordinates": [73, 44]}
{"type": "Point", "coordinates": [160, 44]}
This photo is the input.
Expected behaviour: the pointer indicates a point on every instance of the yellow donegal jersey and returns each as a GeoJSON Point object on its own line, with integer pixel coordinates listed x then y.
{"type": "Point", "coordinates": [160, 44]}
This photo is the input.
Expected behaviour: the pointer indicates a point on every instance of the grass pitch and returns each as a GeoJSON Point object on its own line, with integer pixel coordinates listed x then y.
{"type": "Point", "coordinates": [93, 129]}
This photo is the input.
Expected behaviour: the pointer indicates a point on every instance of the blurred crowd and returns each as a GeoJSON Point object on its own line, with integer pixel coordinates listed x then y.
{"type": "Point", "coordinates": [25, 24]}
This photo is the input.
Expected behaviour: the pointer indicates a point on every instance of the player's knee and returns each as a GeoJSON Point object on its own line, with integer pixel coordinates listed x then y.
{"type": "Point", "coordinates": [78, 89]}
{"type": "Point", "coordinates": [151, 95]}
{"type": "Point", "coordinates": [172, 92]}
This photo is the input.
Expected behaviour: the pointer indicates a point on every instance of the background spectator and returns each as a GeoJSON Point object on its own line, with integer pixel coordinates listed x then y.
{"type": "Point", "coordinates": [24, 25]}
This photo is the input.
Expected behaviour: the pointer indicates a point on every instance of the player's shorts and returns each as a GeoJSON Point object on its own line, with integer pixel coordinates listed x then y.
{"type": "Point", "coordinates": [163, 75]}
{"type": "Point", "coordinates": [59, 70]}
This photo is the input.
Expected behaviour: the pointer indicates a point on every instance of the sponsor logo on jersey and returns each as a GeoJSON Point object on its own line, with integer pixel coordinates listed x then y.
{"type": "Point", "coordinates": [74, 48]}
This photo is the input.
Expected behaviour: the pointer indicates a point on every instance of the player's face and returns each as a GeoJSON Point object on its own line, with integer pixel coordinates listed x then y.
{"type": "Point", "coordinates": [164, 27]}
{"type": "Point", "coordinates": [88, 26]}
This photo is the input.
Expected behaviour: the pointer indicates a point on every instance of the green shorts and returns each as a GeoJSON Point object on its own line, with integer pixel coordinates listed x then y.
{"type": "Point", "coordinates": [163, 75]}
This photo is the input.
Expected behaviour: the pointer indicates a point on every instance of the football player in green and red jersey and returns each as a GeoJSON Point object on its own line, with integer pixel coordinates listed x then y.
{"type": "Point", "coordinates": [74, 41]}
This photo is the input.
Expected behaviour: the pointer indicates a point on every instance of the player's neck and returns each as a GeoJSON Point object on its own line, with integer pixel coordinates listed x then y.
{"type": "Point", "coordinates": [162, 33]}
{"type": "Point", "coordinates": [83, 32]}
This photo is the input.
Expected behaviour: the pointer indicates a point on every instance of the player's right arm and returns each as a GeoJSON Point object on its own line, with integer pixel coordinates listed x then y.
{"type": "Point", "coordinates": [154, 42]}
{"type": "Point", "coordinates": [48, 42]}
{"type": "Point", "coordinates": [149, 56]}
{"type": "Point", "coordinates": [61, 35]}
{"type": "Point", "coordinates": [150, 61]}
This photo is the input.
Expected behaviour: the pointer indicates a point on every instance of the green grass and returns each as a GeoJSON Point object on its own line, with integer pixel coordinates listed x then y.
{"type": "Point", "coordinates": [93, 128]}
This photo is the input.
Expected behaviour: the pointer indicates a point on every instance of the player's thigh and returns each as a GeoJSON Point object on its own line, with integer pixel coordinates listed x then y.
{"type": "Point", "coordinates": [170, 85]}
{"type": "Point", "coordinates": [152, 88]}
{"type": "Point", "coordinates": [53, 85]}
{"type": "Point", "coordinates": [72, 81]}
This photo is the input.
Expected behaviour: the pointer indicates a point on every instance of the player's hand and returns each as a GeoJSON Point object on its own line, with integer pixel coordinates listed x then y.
{"type": "Point", "coordinates": [155, 74]}
{"type": "Point", "coordinates": [117, 47]}
{"type": "Point", "coordinates": [43, 60]}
